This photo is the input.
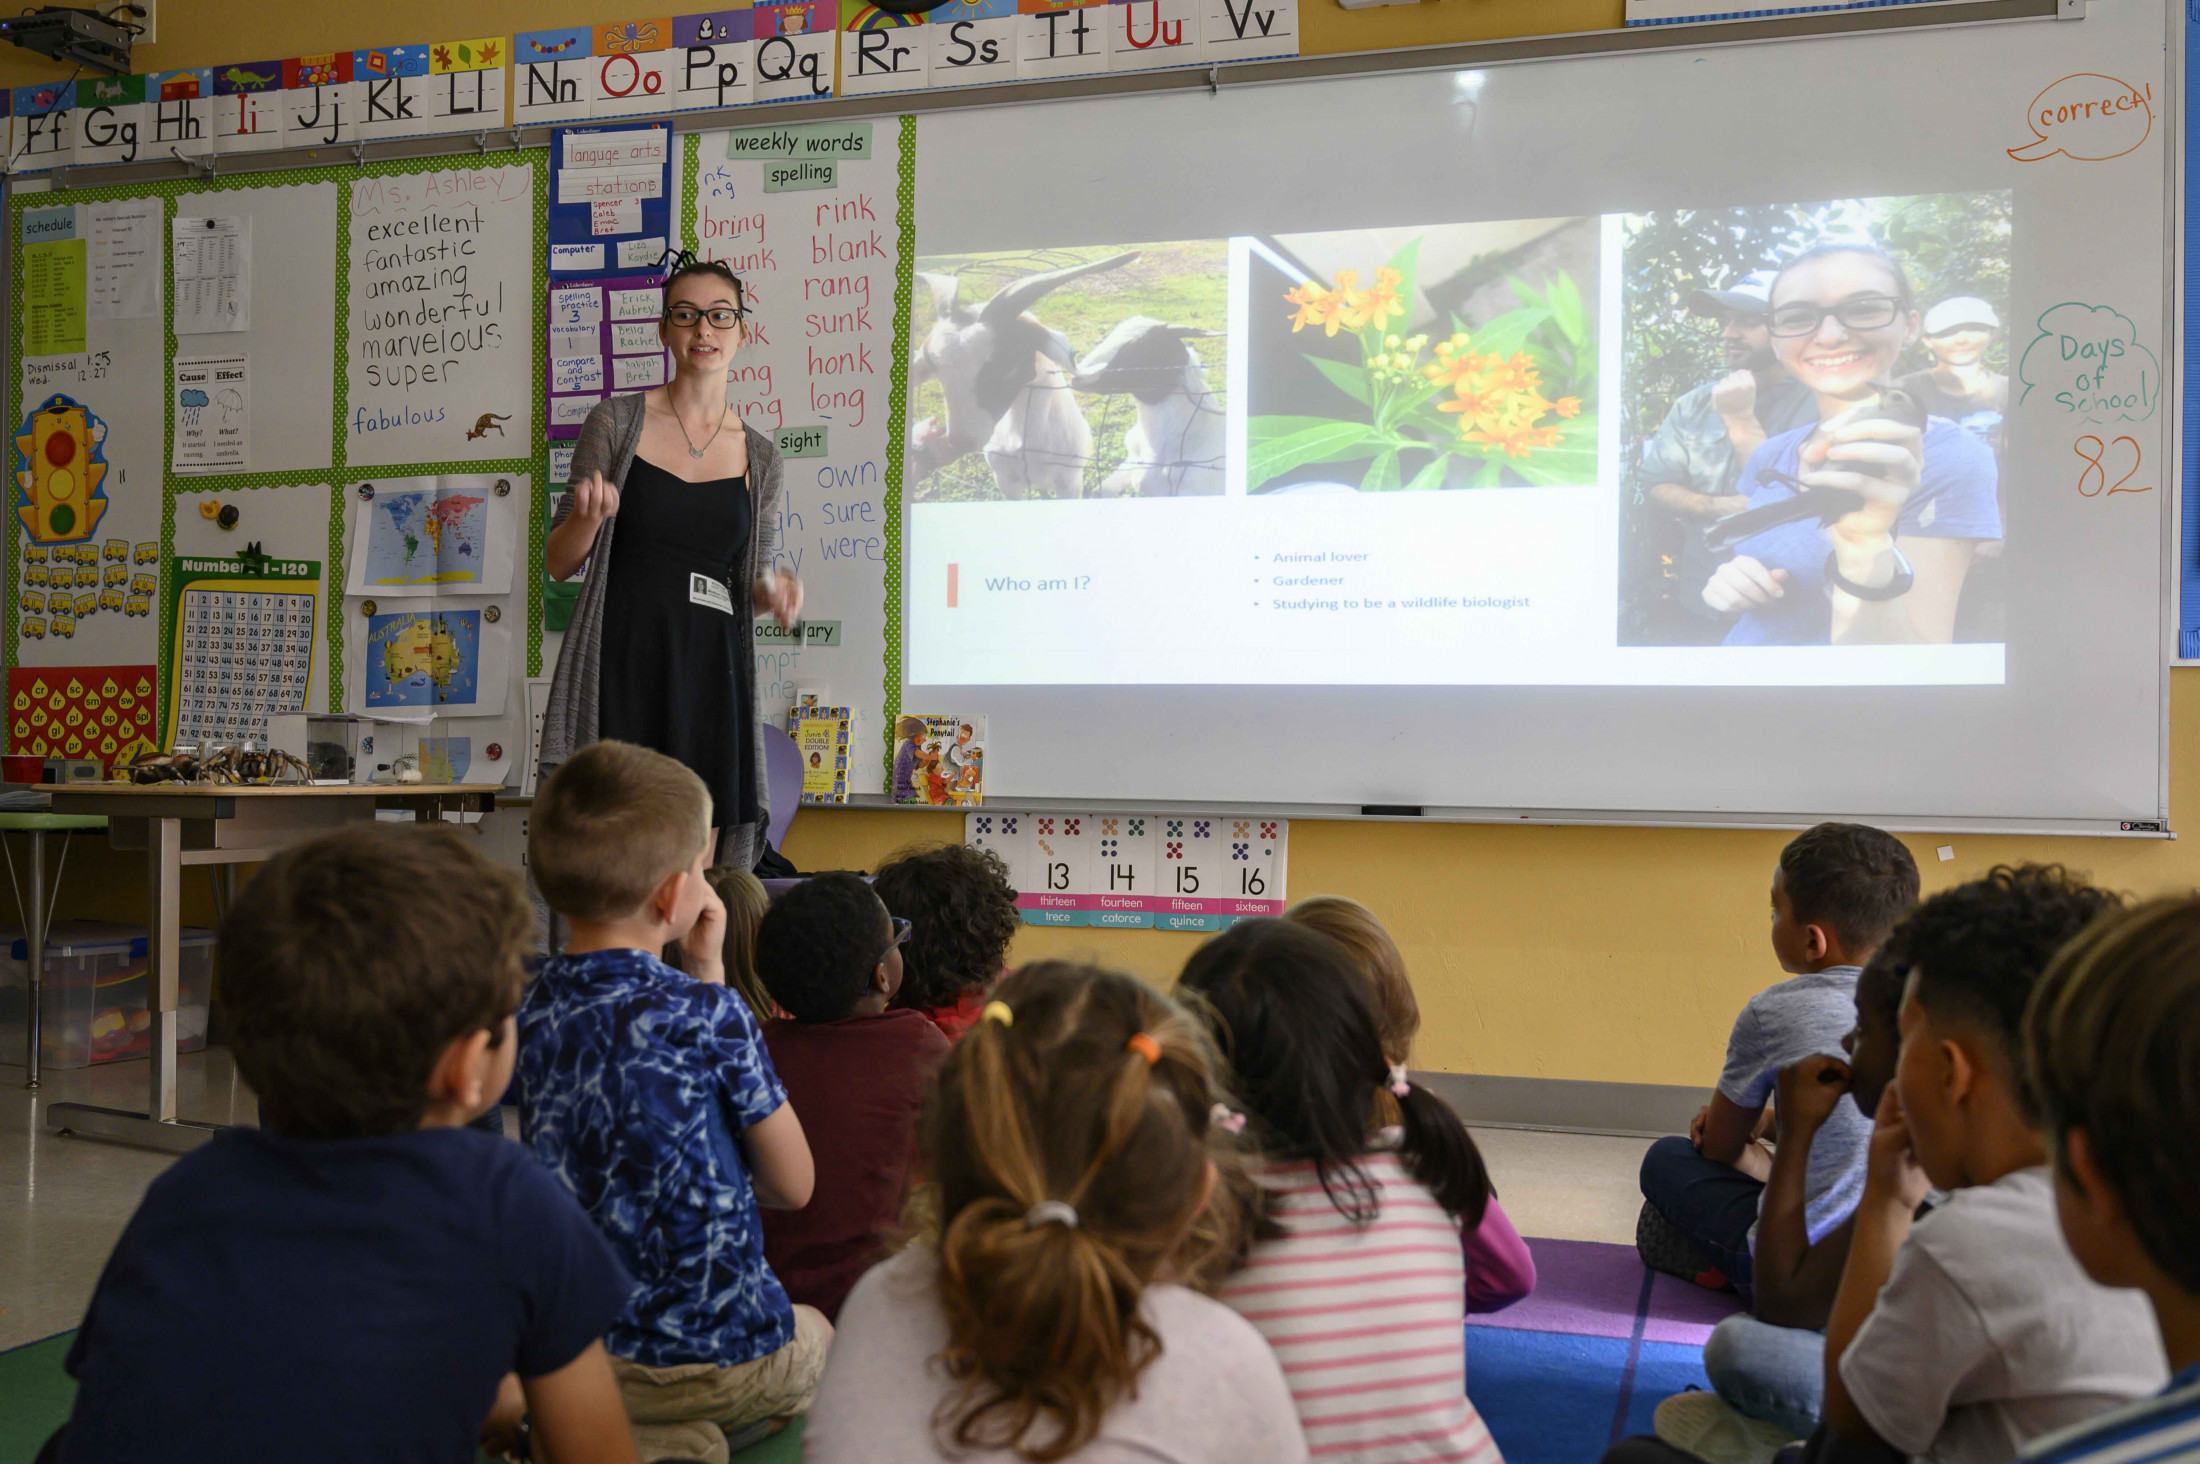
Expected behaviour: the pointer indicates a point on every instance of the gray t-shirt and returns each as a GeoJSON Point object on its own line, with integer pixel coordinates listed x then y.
{"type": "Point", "coordinates": [1804, 1016]}
{"type": "Point", "coordinates": [1987, 1334]}
{"type": "Point", "coordinates": [1216, 1393]}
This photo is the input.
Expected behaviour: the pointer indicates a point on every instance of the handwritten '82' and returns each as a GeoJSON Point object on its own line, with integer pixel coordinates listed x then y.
{"type": "Point", "coordinates": [2093, 478]}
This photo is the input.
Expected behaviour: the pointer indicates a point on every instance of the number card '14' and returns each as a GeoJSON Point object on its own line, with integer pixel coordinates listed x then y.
{"type": "Point", "coordinates": [1167, 871]}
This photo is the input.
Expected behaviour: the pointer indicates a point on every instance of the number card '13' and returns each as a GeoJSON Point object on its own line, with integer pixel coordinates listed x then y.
{"type": "Point", "coordinates": [1166, 871]}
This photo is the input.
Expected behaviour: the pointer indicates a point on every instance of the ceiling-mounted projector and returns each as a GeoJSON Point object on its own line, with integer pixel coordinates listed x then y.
{"type": "Point", "coordinates": [81, 37]}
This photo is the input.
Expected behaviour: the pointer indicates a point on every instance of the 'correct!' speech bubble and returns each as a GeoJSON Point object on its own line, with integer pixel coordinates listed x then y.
{"type": "Point", "coordinates": [2089, 117]}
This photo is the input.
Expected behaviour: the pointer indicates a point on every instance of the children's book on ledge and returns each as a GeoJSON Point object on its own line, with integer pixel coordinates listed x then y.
{"type": "Point", "coordinates": [821, 735]}
{"type": "Point", "coordinates": [939, 761]}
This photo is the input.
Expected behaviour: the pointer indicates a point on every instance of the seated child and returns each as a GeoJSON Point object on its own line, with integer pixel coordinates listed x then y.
{"type": "Point", "coordinates": [1960, 1337]}
{"type": "Point", "coordinates": [650, 1094]}
{"type": "Point", "coordinates": [1069, 1140]}
{"type": "Point", "coordinates": [1760, 1365]}
{"type": "Point", "coordinates": [2112, 1044]}
{"type": "Point", "coordinates": [745, 900]}
{"type": "Point", "coordinates": [1836, 892]}
{"type": "Point", "coordinates": [855, 1071]}
{"type": "Point", "coordinates": [1500, 1271]}
{"type": "Point", "coordinates": [1361, 1286]}
{"type": "Point", "coordinates": [963, 913]}
{"type": "Point", "coordinates": [351, 1280]}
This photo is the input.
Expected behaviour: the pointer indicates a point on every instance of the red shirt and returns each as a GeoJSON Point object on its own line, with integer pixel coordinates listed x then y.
{"type": "Point", "coordinates": [857, 1085]}
{"type": "Point", "coordinates": [960, 1016]}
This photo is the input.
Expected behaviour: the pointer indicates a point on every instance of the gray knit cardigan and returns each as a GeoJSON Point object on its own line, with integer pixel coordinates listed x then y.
{"type": "Point", "coordinates": [607, 443]}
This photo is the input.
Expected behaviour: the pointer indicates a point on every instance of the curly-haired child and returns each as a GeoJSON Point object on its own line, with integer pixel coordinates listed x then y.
{"type": "Point", "coordinates": [962, 915]}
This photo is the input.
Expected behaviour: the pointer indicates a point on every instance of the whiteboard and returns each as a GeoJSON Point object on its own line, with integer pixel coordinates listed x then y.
{"type": "Point", "coordinates": [2068, 730]}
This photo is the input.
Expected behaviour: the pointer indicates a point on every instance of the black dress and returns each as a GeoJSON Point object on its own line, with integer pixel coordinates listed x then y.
{"type": "Point", "coordinates": [675, 675]}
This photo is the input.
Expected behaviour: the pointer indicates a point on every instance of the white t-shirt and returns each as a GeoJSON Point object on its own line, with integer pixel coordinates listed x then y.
{"type": "Point", "coordinates": [1988, 1335]}
{"type": "Point", "coordinates": [1215, 1394]}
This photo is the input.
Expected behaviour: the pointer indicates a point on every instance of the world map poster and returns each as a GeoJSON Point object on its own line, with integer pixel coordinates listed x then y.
{"type": "Point", "coordinates": [427, 539]}
{"type": "Point", "coordinates": [430, 536]}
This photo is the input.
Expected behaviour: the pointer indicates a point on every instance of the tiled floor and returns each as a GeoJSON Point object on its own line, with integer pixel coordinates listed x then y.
{"type": "Point", "coordinates": [63, 1201]}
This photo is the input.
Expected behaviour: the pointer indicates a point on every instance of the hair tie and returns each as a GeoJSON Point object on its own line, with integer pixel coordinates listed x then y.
{"type": "Point", "coordinates": [1226, 1118]}
{"type": "Point", "coordinates": [1143, 1044]}
{"type": "Point", "coordinates": [1399, 1083]}
{"type": "Point", "coordinates": [998, 1011]}
{"type": "Point", "coordinates": [1051, 1212]}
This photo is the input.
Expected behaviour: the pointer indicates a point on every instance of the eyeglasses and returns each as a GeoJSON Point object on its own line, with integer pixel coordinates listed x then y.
{"type": "Point", "coordinates": [1864, 312]}
{"type": "Point", "coordinates": [686, 316]}
{"type": "Point", "coordinates": [902, 928]}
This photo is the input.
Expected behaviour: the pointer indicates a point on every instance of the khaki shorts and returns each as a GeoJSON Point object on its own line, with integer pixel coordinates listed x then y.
{"type": "Point", "coordinates": [686, 1411]}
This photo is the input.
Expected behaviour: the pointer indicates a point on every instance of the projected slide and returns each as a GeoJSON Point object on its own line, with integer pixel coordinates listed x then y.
{"type": "Point", "coordinates": [1742, 446]}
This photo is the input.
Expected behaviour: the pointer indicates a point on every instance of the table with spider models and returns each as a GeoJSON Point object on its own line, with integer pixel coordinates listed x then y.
{"type": "Point", "coordinates": [178, 825]}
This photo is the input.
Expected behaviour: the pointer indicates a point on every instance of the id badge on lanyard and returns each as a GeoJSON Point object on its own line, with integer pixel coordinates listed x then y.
{"type": "Point", "coordinates": [703, 590]}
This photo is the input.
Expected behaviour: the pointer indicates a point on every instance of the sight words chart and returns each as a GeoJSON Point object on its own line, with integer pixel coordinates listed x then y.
{"type": "Point", "coordinates": [809, 216]}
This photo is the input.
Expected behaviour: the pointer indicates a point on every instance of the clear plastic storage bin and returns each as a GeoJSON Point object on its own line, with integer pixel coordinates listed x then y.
{"type": "Point", "coordinates": [93, 995]}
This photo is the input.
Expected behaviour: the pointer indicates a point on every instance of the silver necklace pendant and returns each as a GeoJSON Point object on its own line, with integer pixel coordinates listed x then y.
{"type": "Point", "coordinates": [694, 451]}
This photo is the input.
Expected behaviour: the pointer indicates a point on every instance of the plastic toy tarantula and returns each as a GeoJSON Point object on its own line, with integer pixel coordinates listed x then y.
{"type": "Point", "coordinates": [225, 765]}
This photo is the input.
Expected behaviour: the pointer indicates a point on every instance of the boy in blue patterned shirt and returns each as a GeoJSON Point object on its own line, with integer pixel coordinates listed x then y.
{"type": "Point", "coordinates": [2112, 1043]}
{"type": "Point", "coordinates": [649, 1092]}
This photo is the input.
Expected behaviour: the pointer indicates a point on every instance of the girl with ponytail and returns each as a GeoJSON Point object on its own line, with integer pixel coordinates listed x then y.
{"type": "Point", "coordinates": [1500, 1270]}
{"type": "Point", "coordinates": [1077, 1152]}
{"type": "Point", "coordinates": [1359, 1282]}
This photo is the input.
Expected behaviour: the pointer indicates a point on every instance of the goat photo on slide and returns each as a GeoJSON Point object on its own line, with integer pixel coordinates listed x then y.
{"type": "Point", "coordinates": [1093, 372]}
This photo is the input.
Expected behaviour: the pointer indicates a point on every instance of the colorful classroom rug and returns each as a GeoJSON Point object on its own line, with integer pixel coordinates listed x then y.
{"type": "Point", "coordinates": [1558, 1377]}
{"type": "Point", "coordinates": [1585, 1361]}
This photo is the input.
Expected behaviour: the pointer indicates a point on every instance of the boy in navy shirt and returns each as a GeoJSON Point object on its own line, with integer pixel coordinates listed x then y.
{"type": "Point", "coordinates": [2112, 1041]}
{"type": "Point", "coordinates": [649, 1092]}
{"type": "Point", "coordinates": [352, 1280]}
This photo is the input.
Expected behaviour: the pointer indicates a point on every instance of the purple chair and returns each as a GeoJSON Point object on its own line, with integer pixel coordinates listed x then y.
{"type": "Point", "coordinates": [782, 782]}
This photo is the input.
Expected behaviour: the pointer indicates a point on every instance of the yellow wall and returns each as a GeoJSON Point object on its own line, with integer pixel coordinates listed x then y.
{"type": "Point", "coordinates": [1609, 954]}
{"type": "Point", "coordinates": [1613, 954]}
{"type": "Point", "coordinates": [217, 32]}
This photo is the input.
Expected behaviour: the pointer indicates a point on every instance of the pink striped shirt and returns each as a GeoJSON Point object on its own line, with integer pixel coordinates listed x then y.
{"type": "Point", "coordinates": [1367, 1320]}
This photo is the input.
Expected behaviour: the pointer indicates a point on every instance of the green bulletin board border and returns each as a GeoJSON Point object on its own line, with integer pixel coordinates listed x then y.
{"type": "Point", "coordinates": [534, 466]}
{"type": "Point", "coordinates": [897, 422]}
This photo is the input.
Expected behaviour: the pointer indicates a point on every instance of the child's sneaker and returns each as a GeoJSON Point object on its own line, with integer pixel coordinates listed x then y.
{"type": "Point", "coordinates": [1663, 1248]}
{"type": "Point", "coordinates": [1707, 1426]}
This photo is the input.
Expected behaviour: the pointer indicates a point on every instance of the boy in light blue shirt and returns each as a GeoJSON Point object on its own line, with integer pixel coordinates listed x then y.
{"type": "Point", "coordinates": [1836, 892]}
